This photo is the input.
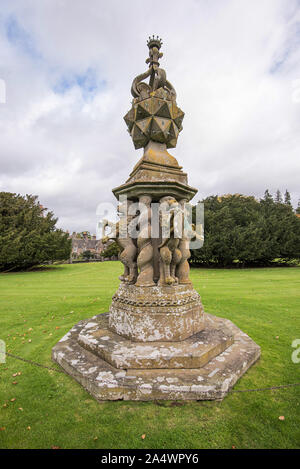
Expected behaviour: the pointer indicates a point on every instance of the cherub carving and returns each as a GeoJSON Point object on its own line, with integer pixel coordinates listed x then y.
{"type": "Point", "coordinates": [119, 233]}
{"type": "Point", "coordinates": [189, 233]}
{"type": "Point", "coordinates": [170, 254]}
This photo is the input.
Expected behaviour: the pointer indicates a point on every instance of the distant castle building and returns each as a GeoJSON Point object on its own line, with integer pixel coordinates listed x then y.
{"type": "Point", "coordinates": [82, 242]}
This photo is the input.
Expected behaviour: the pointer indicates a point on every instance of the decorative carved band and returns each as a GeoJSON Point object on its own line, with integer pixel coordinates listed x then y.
{"type": "Point", "coordinates": [191, 298]}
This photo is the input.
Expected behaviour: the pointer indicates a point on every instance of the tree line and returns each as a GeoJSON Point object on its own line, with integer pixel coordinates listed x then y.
{"type": "Point", "coordinates": [238, 230]}
{"type": "Point", "coordinates": [244, 231]}
{"type": "Point", "coordinates": [28, 235]}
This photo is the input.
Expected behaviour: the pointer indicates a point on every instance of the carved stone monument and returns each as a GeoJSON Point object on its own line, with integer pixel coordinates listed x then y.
{"type": "Point", "coordinates": [156, 342]}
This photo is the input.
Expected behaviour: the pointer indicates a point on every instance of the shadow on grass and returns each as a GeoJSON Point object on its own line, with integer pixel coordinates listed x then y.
{"type": "Point", "coordinates": [238, 266]}
{"type": "Point", "coordinates": [36, 268]}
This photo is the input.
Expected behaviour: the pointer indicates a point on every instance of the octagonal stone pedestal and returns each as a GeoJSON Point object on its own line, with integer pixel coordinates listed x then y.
{"type": "Point", "coordinates": [204, 366]}
{"type": "Point", "coordinates": [122, 353]}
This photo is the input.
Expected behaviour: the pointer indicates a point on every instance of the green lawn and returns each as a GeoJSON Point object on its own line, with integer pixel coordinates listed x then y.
{"type": "Point", "coordinates": [38, 308]}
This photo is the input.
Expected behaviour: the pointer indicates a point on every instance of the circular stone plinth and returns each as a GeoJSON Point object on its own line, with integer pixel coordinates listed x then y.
{"type": "Point", "coordinates": [156, 313]}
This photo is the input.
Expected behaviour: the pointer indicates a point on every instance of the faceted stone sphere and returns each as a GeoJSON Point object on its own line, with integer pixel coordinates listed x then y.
{"type": "Point", "coordinates": [156, 313]}
{"type": "Point", "coordinates": [156, 118]}
{"type": "Point", "coordinates": [203, 367]}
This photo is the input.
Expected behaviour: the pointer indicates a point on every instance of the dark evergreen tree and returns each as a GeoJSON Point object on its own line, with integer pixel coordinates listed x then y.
{"type": "Point", "coordinates": [267, 196]}
{"type": "Point", "coordinates": [298, 208]}
{"type": "Point", "coordinates": [278, 197]}
{"type": "Point", "coordinates": [111, 250]}
{"type": "Point", "coordinates": [28, 235]}
{"type": "Point", "coordinates": [287, 198]}
{"type": "Point", "coordinates": [232, 226]}
{"type": "Point", "coordinates": [87, 254]}
{"type": "Point", "coordinates": [239, 229]}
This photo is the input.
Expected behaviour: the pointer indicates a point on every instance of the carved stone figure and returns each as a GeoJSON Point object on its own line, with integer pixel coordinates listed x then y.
{"type": "Point", "coordinates": [145, 256]}
{"type": "Point", "coordinates": [170, 255]}
{"type": "Point", "coordinates": [183, 268]}
{"type": "Point", "coordinates": [158, 77]}
{"type": "Point", "coordinates": [119, 232]}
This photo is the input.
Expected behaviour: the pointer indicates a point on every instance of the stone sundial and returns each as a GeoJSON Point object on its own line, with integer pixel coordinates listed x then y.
{"type": "Point", "coordinates": [156, 342]}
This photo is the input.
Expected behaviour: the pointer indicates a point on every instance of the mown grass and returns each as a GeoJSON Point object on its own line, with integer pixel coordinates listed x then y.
{"type": "Point", "coordinates": [38, 308]}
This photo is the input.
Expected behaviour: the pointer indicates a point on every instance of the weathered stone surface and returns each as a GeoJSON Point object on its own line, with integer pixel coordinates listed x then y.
{"type": "Point", "coordinates": [128, 249]}
{"type": "Point", "coordinates": [157, 313]}
{"type": "Point", "coordinates": [157, 174]}
{"type": "Point", "coordinates": [157, 190]}
{"type": "Point", "coordinates": [156, 118]}
{"type": "Point", "coordinates": [193, 352]}
{"type": "Point", "coordinates": [154, 114]}
{"type": "Point", "coordinates": [106, 382]}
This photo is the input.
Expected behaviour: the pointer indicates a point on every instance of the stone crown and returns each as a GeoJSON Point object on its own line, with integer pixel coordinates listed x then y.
{"type": "Point", "coordinates": [154, 42]}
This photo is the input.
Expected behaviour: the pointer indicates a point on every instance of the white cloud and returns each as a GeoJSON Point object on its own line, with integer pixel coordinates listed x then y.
{"type": "Point", "coordinates": [68, 68]}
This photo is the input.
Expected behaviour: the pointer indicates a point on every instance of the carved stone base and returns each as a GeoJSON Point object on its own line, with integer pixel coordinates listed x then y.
{"type": "Point", "coordinates": [193, 352]}
{"type": "Point", "coordinates": [157, 313]}
{"type": "Point", "coordinates": [105, 364]}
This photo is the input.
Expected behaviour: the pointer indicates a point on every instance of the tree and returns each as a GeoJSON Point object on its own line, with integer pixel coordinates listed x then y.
{"type": "Point", "coordinates": [240, 229]}
{"type": "Point", "coordinates": [267, 196]}
{"type": "Point", "coordinates": [28, 235]}
{"type": "Point", "coordinates": [85, 234]}
{"type": "Point", "coordinates": [87, 254]}
{"type": "Point", "coordinates": [232, 227]}
{"type": "Point", "coordinates": [287, 198]}
{"type": "Point", "coordinates": [298, 208]}
{"type": "Point", "coordinates": [278, 197]}
{"type": "Point", "coordinates": [111, 250]}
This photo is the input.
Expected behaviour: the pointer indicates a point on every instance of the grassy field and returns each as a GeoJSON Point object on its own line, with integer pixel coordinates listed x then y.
{"type": "Point", "coordinates": [41, 408]}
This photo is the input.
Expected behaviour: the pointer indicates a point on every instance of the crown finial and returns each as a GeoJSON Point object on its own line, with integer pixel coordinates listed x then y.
{"type": "Point", "coordinates": [154, 115]}
{"type": "Point", "coordinates": [158, 78]}
{"type": "Point", "coordinates": [154, 42]}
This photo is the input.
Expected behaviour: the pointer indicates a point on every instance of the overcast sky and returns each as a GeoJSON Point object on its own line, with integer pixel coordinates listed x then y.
{"type": "Point", "coordinates": [68, 67]}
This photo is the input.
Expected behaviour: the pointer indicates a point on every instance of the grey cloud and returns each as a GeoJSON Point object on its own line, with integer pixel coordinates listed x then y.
{"type": "Point", "coordinates": [232, 63]}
